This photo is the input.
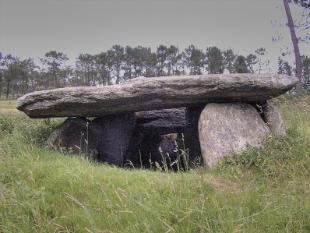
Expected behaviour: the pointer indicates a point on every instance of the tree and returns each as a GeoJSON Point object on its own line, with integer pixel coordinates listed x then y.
{"type": "Point", "coordinates": [306, 70]}
{"type": "Point", "coordinates": [303, 3]}
{"type": "Point", "coordinates": [36, 79]}
{"type": "Point", "coordinates": [129, 62]}
{"type": "Point", "coordinates": [103, 68]}
{"type": "Point", "coordinates": [281, 69]}
{"type": "Point", "coordinates": [54, 61]}
{"type": "Point", "coordinates": [120, 63]}
{"type": "Point", "coordinates": [115, 57]}
{"type": "Point", "coordinates": [150, 64]}
{"type": "Point", "coordinates": [1, 83]}
{"type": "Point", "coordinates": [215, 60]}
{"type": "Point", "coordinates": [262, 64]}
{"type": "Point", "coordinates": [284, 67]}
{"type": "Point", "coordinates": [240, 65]}
{"type": "Point", "coordinates": [229, 58]}
{"type": "Point", "coordinates": [161, 57]}
{"type": "Point", "coordinates": [140, 55]}
{"type": "Point", "coordinates": [1, 76]}
{"type": "Point", "coordinates": [251, 61]}
{"type": "Point", "coordinates": [290, 24]}
{"type": "Point", "coordinates": [86, 69]}
{"type": "Point", "coordinates": [174, 59]}
{"type": "Point", "coordinates": [10, 70]}
{"type": "Point", "coordinates": [195, 59]}
{"type": "Point", "coordinates": [17, 75]}
{"type": "Point", "coordinates": [27, 74]}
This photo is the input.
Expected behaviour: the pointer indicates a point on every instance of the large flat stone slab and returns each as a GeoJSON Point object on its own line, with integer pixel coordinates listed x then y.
{"type": "Point", "coordinates": [142, 94]}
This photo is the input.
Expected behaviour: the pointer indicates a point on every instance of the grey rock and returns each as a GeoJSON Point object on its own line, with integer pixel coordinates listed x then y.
{"type": "Point", "coordinates": [115, 134]}
{"type": "Point", "coordinates": [225, 129]}
{"type": "Point", "coordinates": [163, 121]}
{"type": "Point", "coordinates": [74, 135]}
{"type": "Point", "coordinates": [191, 138]}
{"type": "Point", "coordinates": [106, 139]}
{"type": "Point", "coordinates": [148, 149]}
{"type": "Point", "coordinates": [169, 151]}
{"type": "Point", "coordinates": [273, 118]}
{"type": "Point", "coordinates": [143, 150]}
{"type": "Point", "coordinates": [142, 94]}
{"type": "Point", "coordinates": [164, 129]}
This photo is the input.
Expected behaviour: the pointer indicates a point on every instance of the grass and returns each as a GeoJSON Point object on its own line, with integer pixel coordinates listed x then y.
{"type": "Point", "coordinates": [8, 106]}
{"type": "Point", "coordinates": [266, 190]}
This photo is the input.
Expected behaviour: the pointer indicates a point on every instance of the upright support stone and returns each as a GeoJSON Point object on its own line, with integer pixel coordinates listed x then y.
{"type": "Point", "coordinates": [106, 138]}
{"type": "Point", "coordinates": [113, 141]}
{"type": "Point", "coordinates": [229, 128]}
{"type": "Point", "coordinates": [75, 135]}
{"type": "Point", "coordinates": [191, 138]}
{"type": "Point", "coordinates": [273, 118]}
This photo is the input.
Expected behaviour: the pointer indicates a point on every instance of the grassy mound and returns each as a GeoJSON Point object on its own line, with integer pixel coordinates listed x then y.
{"type": "Point", "coordinates": [266, 190]}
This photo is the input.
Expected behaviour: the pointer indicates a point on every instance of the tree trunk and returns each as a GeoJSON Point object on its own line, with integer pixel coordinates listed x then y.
{"type": "Point", "coordinates": [0, 85]}
{"type": "Point", "coordinates": [55, 79]}
{"type": "Point", "coordinates": [8, 88]}
{"type": "Point", "coordinates": [87, 79]}
{"type": "Point", "coordinates": [291, 26]}
{"type": "Point", "coordinates": [118, 75]}
{"type": "Point", "coordinates": [109, 80]}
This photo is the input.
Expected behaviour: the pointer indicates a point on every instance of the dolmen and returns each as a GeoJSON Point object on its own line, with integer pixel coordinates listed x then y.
{"type": "Point", "coordinates": [148, 121]}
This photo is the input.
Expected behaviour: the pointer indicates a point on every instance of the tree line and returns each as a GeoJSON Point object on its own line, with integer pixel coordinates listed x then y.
{"type": "Point", "coordinates": [117, 64]}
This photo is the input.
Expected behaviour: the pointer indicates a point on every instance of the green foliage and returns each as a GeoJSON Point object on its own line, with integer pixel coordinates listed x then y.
{"type": "Point", "coordinates": [6, 125]}
{"type": "Point", "coordinates": [215, 60]}
{"type": "Point", "coordinates": [240, 65]}
{"type": "Point", "coordinates": [24, 131]}
{"type": "Point", "coordinates": [251, 60]}
{"type": "Point", "coordinates": [306, 70]}
{"type": "Point", "coordinates": [195, 59]}
{"type": "Point", "coordinates": [55, 61]}
{"type": "Point", "coordinates": [284, 67]}
{"type": "Point", "coordinates": [303, 3]}
{"type": "Point", "coordinates": [229, 58]}
{"type": "Point", "coordinates": [277, 155]}
{"type": "Point", "coordinates": [86, 69]}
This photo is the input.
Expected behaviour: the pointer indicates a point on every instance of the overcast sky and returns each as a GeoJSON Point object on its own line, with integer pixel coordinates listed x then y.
{"type": "Point", "coordinates": [30, 28]}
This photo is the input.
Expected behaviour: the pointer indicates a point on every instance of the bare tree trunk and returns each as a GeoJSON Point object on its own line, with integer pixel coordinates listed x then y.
{"type": "Point", "coordinates": [291, 26]}
{"type": "Point", "coordinates": [1, 85]}
{"type": "Point", "coordinates": [8, 88]}
{"type": "Point", "coordinates": [55, 79]}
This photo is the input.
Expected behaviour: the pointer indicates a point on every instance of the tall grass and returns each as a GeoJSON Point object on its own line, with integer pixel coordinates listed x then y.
{"type": "Point", "coordinates": [8, 107]}
{"type": "Point", "coordinates": [265, 190]}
